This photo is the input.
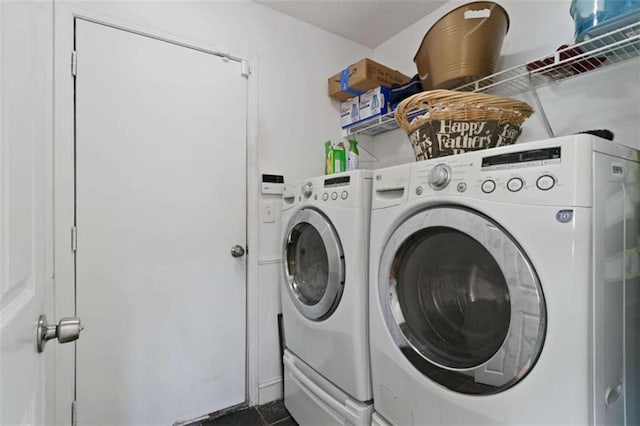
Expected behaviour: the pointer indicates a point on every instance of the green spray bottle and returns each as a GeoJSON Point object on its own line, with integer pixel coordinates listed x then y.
{"type": "Point", "coordinates": [339, 158]}
{"type": "Point", "coordinates": [328, 158]}
{"type": "Point", "coordinates": [353, 162]}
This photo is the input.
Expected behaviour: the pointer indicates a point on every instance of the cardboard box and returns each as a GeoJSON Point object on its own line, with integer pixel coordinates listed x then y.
{"type": "Point", "coordinates": [374, 102]}
{"type": "Point", "coordinates": [350, 112]}
{"type": "Point", "coordinates": [362, 76]}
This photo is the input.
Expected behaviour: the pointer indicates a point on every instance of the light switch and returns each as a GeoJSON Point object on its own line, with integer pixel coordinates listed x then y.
{"type": "Point", "coordinates": [268, 212]}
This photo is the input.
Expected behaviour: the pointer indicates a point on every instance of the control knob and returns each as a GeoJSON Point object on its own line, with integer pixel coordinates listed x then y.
{"type": "Point", "coordinates": [307, 190]}
{"type": "Point", "coordinates": [439, 177]}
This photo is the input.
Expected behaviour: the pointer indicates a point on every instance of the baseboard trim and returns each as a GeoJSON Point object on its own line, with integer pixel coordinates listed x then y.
{"type": "Point", "coordinates": [270, 390]}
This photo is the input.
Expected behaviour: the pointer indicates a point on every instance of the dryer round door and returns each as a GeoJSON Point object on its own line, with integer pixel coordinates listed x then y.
{"type": "Point", "coordinates": [461, 300]}
{"type": "Point", "coordinates": [314, 264]}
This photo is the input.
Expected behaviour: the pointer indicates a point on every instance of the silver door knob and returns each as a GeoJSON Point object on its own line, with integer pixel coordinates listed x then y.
{"type": "Point", "coordinates": [67, 330]}
{"type": "Point", "coordinates": [237, 251]}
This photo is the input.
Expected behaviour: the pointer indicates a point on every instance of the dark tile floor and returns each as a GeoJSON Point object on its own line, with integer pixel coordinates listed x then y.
{"type": "Point", "coordinates": [271, 414]}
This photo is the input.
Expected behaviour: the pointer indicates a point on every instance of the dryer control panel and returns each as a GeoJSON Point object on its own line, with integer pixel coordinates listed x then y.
{"type": "Point", "coordinates": [348, 189]}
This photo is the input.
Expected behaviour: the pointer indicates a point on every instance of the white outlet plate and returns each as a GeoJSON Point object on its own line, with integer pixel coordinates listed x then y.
{"type": "Point", "coordinates": [268, 212]}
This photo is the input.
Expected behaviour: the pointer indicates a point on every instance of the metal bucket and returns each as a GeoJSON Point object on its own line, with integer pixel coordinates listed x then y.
{"type": "Point", "coordinates": [463, 46]}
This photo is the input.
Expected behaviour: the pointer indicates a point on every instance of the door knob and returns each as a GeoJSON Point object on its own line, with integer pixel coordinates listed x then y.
{"type": "Point", "coordinates": [67, 330]}
{"type": "Point", "coordinates": [237, 251]}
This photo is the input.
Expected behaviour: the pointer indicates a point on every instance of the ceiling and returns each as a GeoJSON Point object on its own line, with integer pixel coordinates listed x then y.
{"type": "Point", "coordinates": [368, 22]}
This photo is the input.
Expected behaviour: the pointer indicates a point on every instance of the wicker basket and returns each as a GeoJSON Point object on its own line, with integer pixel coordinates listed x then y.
{"type": "Point", "coordinates": [446, 122]}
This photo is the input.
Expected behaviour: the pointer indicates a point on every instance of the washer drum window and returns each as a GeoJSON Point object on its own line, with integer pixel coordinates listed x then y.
{"type": "Point", "coordinates": [461, 300]}
{"type": "Point", "coordinates": [314, 264]}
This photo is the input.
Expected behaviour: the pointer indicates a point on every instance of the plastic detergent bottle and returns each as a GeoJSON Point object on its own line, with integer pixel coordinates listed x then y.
{"type": "Point", "coordinates": [328, 158]}
{"type": "Point", "coordinates": [339, 159]}
{"type": "Point", "coordinates": [353, 161]}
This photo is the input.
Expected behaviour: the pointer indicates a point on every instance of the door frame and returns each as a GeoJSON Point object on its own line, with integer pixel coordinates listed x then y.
{"type": "Point", "coordinates": [64, 193]}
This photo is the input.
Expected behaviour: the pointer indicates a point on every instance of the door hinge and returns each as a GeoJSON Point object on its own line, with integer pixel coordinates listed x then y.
{"type": "Point", "coordinates": [74, 413]}
{"type": "Point", "coordinates": [74, 239]}
{"type": "Point", "coordinates": [245, 69]}
{"type": "Point", "coordinates": [74, 63]}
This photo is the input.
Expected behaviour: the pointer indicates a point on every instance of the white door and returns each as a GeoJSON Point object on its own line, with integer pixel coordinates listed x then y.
{"type": "Point", "coordinates": [26, 273]}
{"type": "Point", "coordinates": [160, 202]}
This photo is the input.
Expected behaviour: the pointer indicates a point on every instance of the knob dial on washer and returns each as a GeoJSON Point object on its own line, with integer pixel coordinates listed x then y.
{"type": "Point", "coordinates": [440, 176]}
{"type": "Point", "coordinates": [488, 186]}
{"type": "Point", "coordinates": [545, 182]}
{"type": "Point", "coordinates": [307, 190]}
{"type": "Point", "coordinates": [515, 184]}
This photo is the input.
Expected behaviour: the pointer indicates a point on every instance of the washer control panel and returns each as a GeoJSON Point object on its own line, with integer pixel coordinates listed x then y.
{"type": "Point", "coordinates": [550, 172]}
{"type": "Point", "coordinates": [524, 175]}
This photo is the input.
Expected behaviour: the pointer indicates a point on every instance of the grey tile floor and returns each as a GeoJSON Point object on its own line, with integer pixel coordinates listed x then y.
{"type": "Point", "coordinates": [271, 414]}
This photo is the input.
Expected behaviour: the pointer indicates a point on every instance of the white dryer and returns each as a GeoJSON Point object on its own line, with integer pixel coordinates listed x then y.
{"type": "Point", "coordinates": [505, 286]}
{"type": "Point", "coordinates": [325, 299]}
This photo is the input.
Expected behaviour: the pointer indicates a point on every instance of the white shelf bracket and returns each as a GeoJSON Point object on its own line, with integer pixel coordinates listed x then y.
{"type": "Point", "coordinates": [540, 108]}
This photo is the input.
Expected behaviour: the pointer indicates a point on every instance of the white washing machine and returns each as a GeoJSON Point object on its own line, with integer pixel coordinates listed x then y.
{"type": "Point", "coordinates": [505, 287]}
{"type": "Point", "coordinates": [325, 299]}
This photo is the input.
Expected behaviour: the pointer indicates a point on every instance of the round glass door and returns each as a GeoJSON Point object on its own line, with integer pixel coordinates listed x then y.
{"type": "Point", "coordinates": [462, 301]}
{"type": "Point", "coordinates": [314, 264]}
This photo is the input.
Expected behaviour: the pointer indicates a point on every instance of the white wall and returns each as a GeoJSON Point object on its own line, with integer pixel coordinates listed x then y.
{"type": "Point", "coordinates": [295, 115]}
{"type": "Point", "coordinates": [608, 99]}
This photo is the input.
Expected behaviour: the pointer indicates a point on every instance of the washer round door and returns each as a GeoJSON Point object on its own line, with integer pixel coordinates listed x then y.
{"type": "Point", "coordinates": [462, 301]}
{"type": "Point", "coordinates": [314, 264]}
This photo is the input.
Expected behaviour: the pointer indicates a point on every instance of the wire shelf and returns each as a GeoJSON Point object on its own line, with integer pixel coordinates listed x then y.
{"type": "Point", "coordinates": [614, 47]}
{"type": "Point", "coordinates": [374, 126]}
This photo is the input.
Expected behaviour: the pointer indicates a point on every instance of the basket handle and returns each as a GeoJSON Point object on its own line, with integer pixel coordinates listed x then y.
{"type": "Point", "coordinates": [477, 14]}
